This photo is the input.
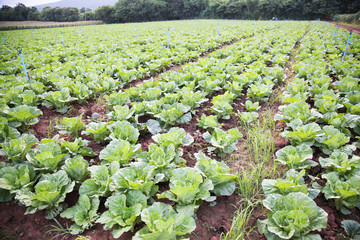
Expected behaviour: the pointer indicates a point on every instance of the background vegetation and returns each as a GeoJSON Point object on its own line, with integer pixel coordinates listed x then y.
{"type": "Point", "coordinates": [150, 10]}
{"type": "Point", "coordinates": [348, 18]}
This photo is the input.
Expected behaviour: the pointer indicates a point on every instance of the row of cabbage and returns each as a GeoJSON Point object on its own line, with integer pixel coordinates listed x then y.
{"type": "Point", "coordinates": [322, 115]}
{"type": "Point", "coordinates": [128, 180]}
{"type": "Point", "coordinates": [99, 59]}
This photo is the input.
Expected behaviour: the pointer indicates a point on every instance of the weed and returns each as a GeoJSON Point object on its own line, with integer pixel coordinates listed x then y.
{"type": "Point", "coordinates": [58, 230]}
{"type": "Point", "coordinates": [7, 233]}
{"type": "Point", "coordinates": [100, 100]}
{"type": "Point", "coordinates": [276, 97]}
{"type": "Point", "coordinates": [51, 128]}
{"type": "Point", "coordinates": [249, 180]}
{"type": "Point", "coordinates": [259, 141]}
{"type": "Point", "coordinates": [239, 229]}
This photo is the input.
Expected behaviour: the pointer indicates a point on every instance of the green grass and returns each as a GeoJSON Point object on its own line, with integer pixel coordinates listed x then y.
{"type": "Point", "coordinates": [259, 139]}
{"type": "Point", "coordinates": [249, 180]}
{"type": "Point", "coordinates": [57, 231]}
{"type": "Point", "coordinates": [239, 228]}
{"type": "Point", "coordinates": [350, 24]}
{"type": "Point", "coordinates": [52, 123]}
{"type": "Point", "coordinates": [260, 149]}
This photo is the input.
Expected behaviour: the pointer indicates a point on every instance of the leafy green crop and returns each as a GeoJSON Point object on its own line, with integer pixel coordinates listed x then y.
{"type": "Point", "coordinates": [209, 122]}
{"type": "Point", "coordinates": [77, 147]}
{"type": "Point", "coordinates": [188, 188]}
{"type": "Point", "coordinates": [247, 117]}
{"type": "Point", "coordinates": [259, 91]}
{"type": "Point", "coordinates": [346, 193]}
{"type": "Point", "coordinates": [176, 136]}
{"type": "Point", "coordinates": [218, 173]}
{"type": "Point", "coordinates": [251, 106]}
{"type": "Point", "coordinates": [293, 181]}
{"type": "Point", "coordinates": [23, 116]}
{"type": "Point", "coordinates": [292, 216]}
{"type": "Point", "coordinates": [297, 110]}
{"type": "Point", "coordinates": [163, 222]}
{"type": "Point", "coordinates": [101, 177]}
{"type": "Point", "coordinates": [296, 157]}
{"type": "Point", "coordinates": [121, 113]}
{"type": "Point", "coordinates": [116, 99]}
{"type": "Point", "coordinates": [58, 99]}
{"type": "Point", "coordinates": [47, 156]}
{"type": "Point", "coordinates": [177, 113]}
{"type": "Point", "coordinates": [16, 149]}
{"type": "Point", "coordinates": [120, 151]}
{"type": "Point", "coordinates": [221, 141]}
{"type": "Point", "coordinates": [99, 131]}
{"type": "Point", "coordinates": [302, 134]}
{"type": "Point", "coordinates": [77, 168]}
{"type": "Point", "coordinates": [339, 162]}
{"type": "Point", "coordinates": [72, 126]}
{"type": "Point", "coordinates": [138, 176]}
{"type": "Point", "coordinates": [165, 159]}
{"type": "Point", "coordinates": [14, 178]}
{"type": "Point", "coordinates": [332, 139]}
{"type": "Point", "coordinates": [124, 131]}
{"type": "Point", "coordinates": [84, 214]}
{"type": "Point", "coordinates": [124, 211]}
{"type": "Point", "coordinates": [49, 193]}
{"type": "Point", "coordinates": [222, 105]}
{"type": "Point", "coordinates": [6, 132]}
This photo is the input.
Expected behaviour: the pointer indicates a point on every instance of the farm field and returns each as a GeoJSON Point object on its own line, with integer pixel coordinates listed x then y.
{"type": "Point", "coordinates": [12, 25]}
{"type": "Point", "coordinates": [196, 129]}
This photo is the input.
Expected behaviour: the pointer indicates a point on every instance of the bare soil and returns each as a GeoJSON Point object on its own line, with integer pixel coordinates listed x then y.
{"type": "Point", "coordinates": [347, 27]}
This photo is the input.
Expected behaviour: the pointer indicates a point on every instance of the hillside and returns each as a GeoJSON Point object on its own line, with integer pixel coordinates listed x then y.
{"type": "Point", "coordinates": [92, 4]}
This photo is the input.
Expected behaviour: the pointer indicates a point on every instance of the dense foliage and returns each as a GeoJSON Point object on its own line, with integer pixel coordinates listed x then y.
{"type": "Point", "coordinates": [155, 10]}
{"type": "Point", "coordinates": [321, 117]}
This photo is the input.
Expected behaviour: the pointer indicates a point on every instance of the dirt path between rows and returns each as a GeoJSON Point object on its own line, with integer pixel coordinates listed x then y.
{"type": "Point", "coordinates": [347, 27]}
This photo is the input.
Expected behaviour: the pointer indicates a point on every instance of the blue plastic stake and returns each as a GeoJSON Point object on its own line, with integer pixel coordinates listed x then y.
{"type": "Point", "coordinates": [3, 38]}
{"type": "Point", "coordinates": [327, 27]}
{"type": "Point", "coordinates": [168, 41]}
{"type": "Point", "coordinates": [62, 39]}
{"type": "Point", "coordinates": [347, 45]}
{"type": "Point", "coordinates": [335, 31]}
{"type": "Point", "coordinates": [323, 24]}
{"type": "Point", "coordinates": [23, 63]}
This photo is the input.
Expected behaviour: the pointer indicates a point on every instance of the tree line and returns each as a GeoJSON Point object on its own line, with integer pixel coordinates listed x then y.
{"type": "Point", "coordinates": [153, 10]}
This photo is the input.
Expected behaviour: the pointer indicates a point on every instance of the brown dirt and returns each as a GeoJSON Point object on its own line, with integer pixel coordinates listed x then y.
{"type": "Point", "coordinates": [215, 220]}
{"type": "Point", "coordinates": [347, 27]}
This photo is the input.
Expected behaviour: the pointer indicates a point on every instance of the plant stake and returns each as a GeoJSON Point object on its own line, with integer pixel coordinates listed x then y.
{"type": "Point", "coordinates": [168, 41]}
{"type": "Point", "coordinates": [23, 63]}
{"type": "Point", "coordinates": [347, 45]}
{"type": "Point", "coordinates": [335, 31]}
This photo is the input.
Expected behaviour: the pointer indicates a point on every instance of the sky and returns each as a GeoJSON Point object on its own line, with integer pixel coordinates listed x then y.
{"type": "Point", "coordinates": [28, 3]}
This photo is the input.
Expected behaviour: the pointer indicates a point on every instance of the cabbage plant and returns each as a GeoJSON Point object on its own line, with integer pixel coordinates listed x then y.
{"type": "Point", "coordinates": [292, 216]}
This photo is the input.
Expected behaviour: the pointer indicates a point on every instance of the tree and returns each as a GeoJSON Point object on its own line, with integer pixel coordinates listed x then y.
{"type": "Point", "coordinates": [21, 12]}
{"type": "Point", "coordinates": [33, 15]}
{"type": "Point", "coordinates": [105, 13]}
{"type": "Point", "coordinates": [70, 14]}
{"type": "Point", "coordinates": [6, 13]}
{"type": "Point", "coordinates": [140, 10]}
